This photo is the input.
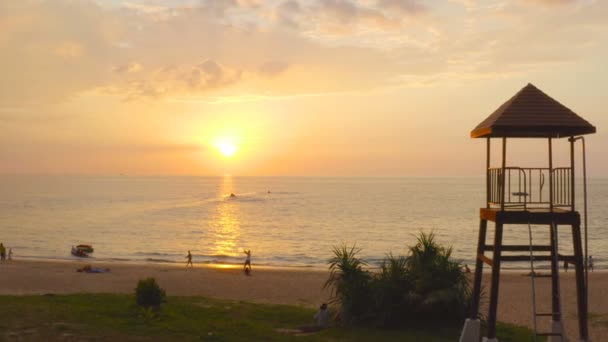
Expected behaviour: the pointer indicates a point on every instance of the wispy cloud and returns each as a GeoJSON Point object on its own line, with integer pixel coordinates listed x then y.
{"type": "Point", "coordinates": [54, 51]}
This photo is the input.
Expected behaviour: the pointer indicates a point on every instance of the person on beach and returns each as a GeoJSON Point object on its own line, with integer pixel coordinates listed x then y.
{"type": "Point", "coordinates": [2, 252]}
{"type": "Point", "coordinates": [189, 262]}
{"type": "Point", "coordinates": [247, 260]}
{"type": "Point", "coordinates": [590, 263]}
{"type": "Point", "coordinates": [322, 316]}
{"type": "Point", "coordinates": [10, 254]}
{"type": "Point", "coordinates": [565, 266]}
{"type": "Point", "coordinates": [89, 269]}
{"type": "Point", "coordinates": [467, 269]}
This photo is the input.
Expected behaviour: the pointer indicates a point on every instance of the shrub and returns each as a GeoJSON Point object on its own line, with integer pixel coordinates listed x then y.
{"type": "Point", "coordinates": [148, 293]}
{"type": "Point", "coordinates": [427, 284]}
{"type": "Point", "coordinates": [350, 285]}
{"type": "Point", "coordinates": [391, 291]}
{"type": "Point", "coordinates": [440, 288]}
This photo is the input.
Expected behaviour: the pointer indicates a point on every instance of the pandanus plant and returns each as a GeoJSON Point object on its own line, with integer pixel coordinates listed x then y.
{"type": "Point", "coordinates": [349, 284]}
{"type": "Point", "coordinates": [440, 287]}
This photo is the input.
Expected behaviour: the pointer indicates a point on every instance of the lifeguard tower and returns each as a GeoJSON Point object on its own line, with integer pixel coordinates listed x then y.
{"type": "Point", "coordinates": [543, 196]}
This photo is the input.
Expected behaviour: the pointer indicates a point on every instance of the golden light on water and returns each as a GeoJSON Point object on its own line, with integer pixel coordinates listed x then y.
{"type": "Point", "coordinates": [226, 222]}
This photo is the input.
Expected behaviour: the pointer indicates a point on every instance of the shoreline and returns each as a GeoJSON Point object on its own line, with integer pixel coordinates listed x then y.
{"type": "Point", "coordinates": [211, 264]}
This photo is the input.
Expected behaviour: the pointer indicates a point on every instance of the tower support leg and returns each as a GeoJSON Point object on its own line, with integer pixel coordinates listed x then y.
{"type": "Point", "coordinates": [495, 282]}
{"type": "Point", "coordinates": [555, 295]}
{"type": "Point", "coordinates": [483, 226]}
{"type": "Point", "coordinates": [580, 283]}
{"type": "Point", "coordinates": [472, 326]}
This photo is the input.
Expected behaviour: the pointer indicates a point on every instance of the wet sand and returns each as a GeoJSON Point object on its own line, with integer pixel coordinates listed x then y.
{"type": "Point", "coordinates": [295, 286]}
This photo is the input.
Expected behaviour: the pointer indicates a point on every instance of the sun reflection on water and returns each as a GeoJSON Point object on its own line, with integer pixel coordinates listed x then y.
{"type": "Point", "coordinates": [226, 221]}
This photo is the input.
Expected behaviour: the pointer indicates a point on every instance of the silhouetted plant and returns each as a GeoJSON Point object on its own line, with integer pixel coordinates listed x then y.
{"type": "Point", "coordinates": [427, 284]}
{"type": "Point", "coordinates": [440, 288]}
{"type": "Point", "coordinates": [350, 285]}
{"type": "Point", "coordinates": [148, 293]}
{"type": "Point", "coordinates": [391, 288]}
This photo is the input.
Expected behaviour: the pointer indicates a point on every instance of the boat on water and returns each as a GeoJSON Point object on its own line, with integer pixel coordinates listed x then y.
{"type": "Point", "coordinates": [85, 248]}
{"type": "Point", "coordinates": [82, 251]}
{"type": "Point", "coordinates": [79, 253]}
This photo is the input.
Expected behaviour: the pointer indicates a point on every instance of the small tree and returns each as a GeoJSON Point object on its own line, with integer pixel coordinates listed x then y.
{"type": "Point", "coordinates": [148, 293]}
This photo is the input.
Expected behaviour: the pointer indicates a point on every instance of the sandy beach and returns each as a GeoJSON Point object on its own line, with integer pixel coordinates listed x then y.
{"type": "Point", "coordinates": [294, 286]}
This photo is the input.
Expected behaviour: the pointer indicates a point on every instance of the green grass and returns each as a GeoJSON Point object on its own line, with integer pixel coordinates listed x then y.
{"type": "Point", "coordinates": [96, 317]}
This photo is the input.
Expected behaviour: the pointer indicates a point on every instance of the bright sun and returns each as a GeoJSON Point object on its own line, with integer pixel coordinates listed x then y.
{"type": "Point", "coordinates": [226, 148]}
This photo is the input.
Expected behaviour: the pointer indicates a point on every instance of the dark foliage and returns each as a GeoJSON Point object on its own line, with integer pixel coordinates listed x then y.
{"type": "Point", "coordinates": [148, 293]}
{"type": "Point", "coordinates": [427, 284]}
{"type": "Point", "coordinates": [350, 285]}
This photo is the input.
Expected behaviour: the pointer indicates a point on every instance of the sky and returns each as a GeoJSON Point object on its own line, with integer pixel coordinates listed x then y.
{"type": "Point", "coordinates": [297, 87]}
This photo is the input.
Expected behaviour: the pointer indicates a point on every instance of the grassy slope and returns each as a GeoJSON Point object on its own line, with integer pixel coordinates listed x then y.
{"type": "Point", "coordinates": [109, 316]}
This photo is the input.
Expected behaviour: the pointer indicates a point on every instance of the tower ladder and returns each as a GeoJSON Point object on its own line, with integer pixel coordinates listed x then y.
{"type": "Point", "coordinates": [553, 336]}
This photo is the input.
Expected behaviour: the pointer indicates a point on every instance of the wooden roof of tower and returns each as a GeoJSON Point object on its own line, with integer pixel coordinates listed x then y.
{"type": "Point", "coordinates": [532, 114]}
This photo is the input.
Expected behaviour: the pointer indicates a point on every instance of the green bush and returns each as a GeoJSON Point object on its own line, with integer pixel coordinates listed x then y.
{"type": "Point", "coordinates": [427, 284]}
{"type": "Point", "coordinates": [391, 291]}
{"type": "Point", "coordinates": [350, 285]}
{"type": "Point", "coordinates": [441, 289]}
{"type": "Point", "coordinates": [148, 293]}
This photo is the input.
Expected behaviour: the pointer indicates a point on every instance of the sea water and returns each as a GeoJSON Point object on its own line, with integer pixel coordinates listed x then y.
{"type": "Point", "coordinates": [284, 221]}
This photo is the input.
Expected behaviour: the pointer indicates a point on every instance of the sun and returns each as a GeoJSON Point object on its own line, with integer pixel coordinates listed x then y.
{"type": "Point", "coordinates": [226, 147]}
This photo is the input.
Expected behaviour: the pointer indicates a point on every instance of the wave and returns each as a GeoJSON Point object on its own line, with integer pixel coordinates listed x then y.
{"type": "Point", "coordinates": [164, 261]}
{"type": "Point", "coordinates": [153, 254]}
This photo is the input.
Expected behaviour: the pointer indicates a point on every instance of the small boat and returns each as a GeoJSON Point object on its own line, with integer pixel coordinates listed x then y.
{"type": "Point", "coordinates": [79, 253]}
{"type": "Point", "coordinates": [85, 248]}
{"type": "Point", "coordinates": [232, 195]}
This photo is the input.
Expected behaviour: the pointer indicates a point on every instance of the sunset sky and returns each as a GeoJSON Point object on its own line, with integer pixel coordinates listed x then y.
{"type": "Point", "coordinates": [296, 87]}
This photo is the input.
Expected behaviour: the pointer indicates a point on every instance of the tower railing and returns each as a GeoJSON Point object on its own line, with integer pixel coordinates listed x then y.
{"type": "Point", "coordinates": [528, 188]}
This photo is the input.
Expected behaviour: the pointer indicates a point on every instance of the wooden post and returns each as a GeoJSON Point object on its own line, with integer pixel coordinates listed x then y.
{"type": "Point", "coordinates": [483, 225]}
{"type": "Point", "coordinates": [572, 187]}
{"type": "Point", "coordinates": [580, 283]}
{"type": "Point", "coordinates": [550, 176]}
{"type": "Point", "coordinates": [488, 147]}
{"type": "Point", "coordinates": [555, 295]}
{"type": "Point", "coordinates": [503, 173]}
{"type": "Point", "coordinates": [495, 281]}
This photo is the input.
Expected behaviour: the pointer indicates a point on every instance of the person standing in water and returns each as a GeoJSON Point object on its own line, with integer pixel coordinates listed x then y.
{"type": "Point", "coordinates": [247, 260]}
{"type": "Point", "coordinates": [189, 257]}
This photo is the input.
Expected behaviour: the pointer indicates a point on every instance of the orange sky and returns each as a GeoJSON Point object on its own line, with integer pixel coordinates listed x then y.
{"type": "Point", "coordinates": [320, 88]}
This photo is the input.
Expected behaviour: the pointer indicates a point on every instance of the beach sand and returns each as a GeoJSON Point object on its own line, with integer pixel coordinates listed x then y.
{"type": "Point", "coordinates": [295, 286]}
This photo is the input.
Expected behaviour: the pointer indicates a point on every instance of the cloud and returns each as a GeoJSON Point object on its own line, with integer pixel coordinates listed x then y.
{"type": "Point", "coordinates": [549, 2]}
{"type": "Point", "coordinates": [408, 7]}
{"type": "Point", "coordinates": [287, 13]}
{"type": "Point", "coordinates": [128, 68]}
{"type": "Point", "coordinates": [273, 68]}
{"type": "Point", "coordinates": [58, 50]}
{"type": "Point", "coordinates": [177, 80]}
{"type": "Point", "coordinates": [219, 7]}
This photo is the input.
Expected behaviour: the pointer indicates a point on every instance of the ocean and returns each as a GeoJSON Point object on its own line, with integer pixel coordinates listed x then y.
{"type": "Point", "coordinates": [285, 221]}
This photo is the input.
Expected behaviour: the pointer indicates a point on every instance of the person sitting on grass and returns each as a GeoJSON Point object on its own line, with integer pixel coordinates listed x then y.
{"type": "Point", "coordinates": [322, 320]}
{"type": "Point", "coordinates": [322, 316]}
